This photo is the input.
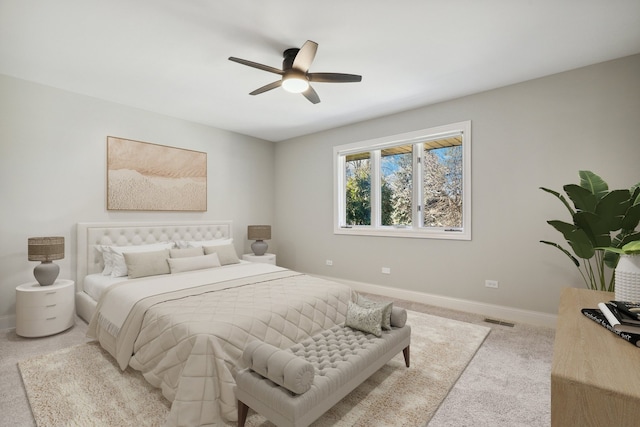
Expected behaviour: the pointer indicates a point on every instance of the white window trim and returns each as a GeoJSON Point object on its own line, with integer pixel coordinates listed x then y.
{"type": "Point", "coordinates": [375, 229]}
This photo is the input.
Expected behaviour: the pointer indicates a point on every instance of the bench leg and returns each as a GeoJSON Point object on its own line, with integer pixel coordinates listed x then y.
{"type": "Point", "coordinates": [405, 351]}
{"type": "Point", "coordinates": [242, 413]}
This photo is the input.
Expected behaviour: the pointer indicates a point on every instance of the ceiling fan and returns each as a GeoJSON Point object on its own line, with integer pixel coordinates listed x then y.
{"type": "Point", "coordinates": [295, 72]}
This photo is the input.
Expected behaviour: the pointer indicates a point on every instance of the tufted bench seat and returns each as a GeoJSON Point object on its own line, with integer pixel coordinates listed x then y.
{"type": "Point", "coordinates": [342, 359]}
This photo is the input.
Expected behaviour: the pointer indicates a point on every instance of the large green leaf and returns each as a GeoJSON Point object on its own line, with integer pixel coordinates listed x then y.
{"type": "Point", "coordinates": [595, 227]}
{"type": "Point", "coordinates": [582, 198]}
{"type": "Point", "coordinates": [635, 194]}
{"type": "Point", "coordinates": [632, 247]}
{"type": "Point", "coordinates": [566, 252]}
{"type": "Point", "coordinates": [577, 238]}
{"type": "Point", "coordinates": [561, 197]}
{"type": "Point", "coordinates": [592, 182]}
{"type": "Point", "coordinates": [613, 207]}
{"type": "Point", "coordinates": [631, 218]}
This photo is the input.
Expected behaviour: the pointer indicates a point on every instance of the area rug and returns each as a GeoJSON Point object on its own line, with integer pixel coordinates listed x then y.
{"type": "Point", "coordinates": [82, 385]}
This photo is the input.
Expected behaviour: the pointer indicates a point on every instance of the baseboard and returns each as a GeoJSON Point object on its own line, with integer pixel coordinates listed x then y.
{"type": "Point", "coordinates": [8, 322]}
{"type": "Point", "coordinates": [498, 312]}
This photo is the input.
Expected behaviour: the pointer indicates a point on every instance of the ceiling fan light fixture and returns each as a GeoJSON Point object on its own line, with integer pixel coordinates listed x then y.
{"type": "Point", "coordinates": [295, 83]}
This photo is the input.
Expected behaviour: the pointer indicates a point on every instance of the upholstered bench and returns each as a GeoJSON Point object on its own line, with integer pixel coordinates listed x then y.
{"type": "Point", "coordinates": [294, 387]}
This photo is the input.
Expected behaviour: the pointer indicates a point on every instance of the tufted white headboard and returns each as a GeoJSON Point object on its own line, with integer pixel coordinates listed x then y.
{"type": "Point", "coordinates": [89, 235]}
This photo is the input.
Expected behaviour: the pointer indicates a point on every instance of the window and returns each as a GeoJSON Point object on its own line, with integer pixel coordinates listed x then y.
{"type": "Point", "coordinates": [416, 184]}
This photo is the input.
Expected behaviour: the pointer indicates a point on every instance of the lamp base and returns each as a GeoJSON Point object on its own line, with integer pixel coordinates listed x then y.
{"type": "Point", "coordinates": [259, 247]}
{"type": "Point", "coordinates": [46, 273]}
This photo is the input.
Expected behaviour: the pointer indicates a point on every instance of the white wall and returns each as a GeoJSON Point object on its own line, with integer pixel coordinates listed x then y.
{"type": "Point", "coordinates": [538, 133]}
{"type": "Point", "coordinates": [53, 173]}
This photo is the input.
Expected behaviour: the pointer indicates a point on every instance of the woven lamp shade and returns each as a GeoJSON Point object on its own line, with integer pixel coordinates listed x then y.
{"type": "Point", "coordinates": [259, 232]}
{"type": "Point", "coordinates": [46, 248]}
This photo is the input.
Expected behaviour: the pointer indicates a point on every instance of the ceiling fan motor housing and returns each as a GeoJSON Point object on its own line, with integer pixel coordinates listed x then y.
{"type": "Point", "coordinates": [289, 56]}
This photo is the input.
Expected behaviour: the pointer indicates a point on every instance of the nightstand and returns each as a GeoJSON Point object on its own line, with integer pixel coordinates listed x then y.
{"type": "Point", "coordinates": [266, 258]}
{"type": "Point", "coordinates": [45, 310]}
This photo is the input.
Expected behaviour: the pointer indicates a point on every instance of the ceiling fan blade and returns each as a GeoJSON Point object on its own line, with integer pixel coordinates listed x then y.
{"type": "Point", "coordinates": [334, 78]}
{"type": "Point", "coordinates": [311, 95]}
{"type": "Point", "coordinates": [305, 56]}
{"type": "Point", "coordinates": [256, 65]}
{"type": "Point", "coordinates": [265, 88]}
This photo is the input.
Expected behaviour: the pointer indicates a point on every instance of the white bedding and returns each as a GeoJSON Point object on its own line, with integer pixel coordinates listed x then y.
{"type": "Point", "coordinates": [96, 284]}
{"type": "Point", "coordinates": [188, 340]}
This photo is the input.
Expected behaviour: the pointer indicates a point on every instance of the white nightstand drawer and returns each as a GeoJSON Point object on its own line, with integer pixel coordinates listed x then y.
{"type": "Point", "coordinates": [45, 297]}
{"type": "Point", "coordinates": [40, 328]}
{"type": "Point", "coordinates": [46, 312]}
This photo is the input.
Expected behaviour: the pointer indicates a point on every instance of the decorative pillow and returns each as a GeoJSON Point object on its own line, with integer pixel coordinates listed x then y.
{"type": "Point", "coordinates": [364, 319]}
{"type": "Point", "coordinates": [386, 314]}
{"type": "Point", "coordinates": [199, 243]}
{"type": "Point", "coordinates": [186, 252]}
{"type": "Point", "coordinates": [226, 253]}
{"type": "Point", "coordinates": [120, 266]}
{"type": "Point", "coordinates": [142, 264]}
{"type": "Point", "coordinates": [398, 317]}
{"type": "Point", "coordinates": [179, 265]}
{"type": "Point", "coordinates": [107, 259]}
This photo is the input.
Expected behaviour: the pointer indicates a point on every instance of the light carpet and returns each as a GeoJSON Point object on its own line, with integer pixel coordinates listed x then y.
{"type": "Point", "coordinates": [82, 385]}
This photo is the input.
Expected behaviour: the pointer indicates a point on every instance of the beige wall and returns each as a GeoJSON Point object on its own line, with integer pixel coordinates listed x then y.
{"type": "Point", "coordinates": [53, 173]}
{"type": "Point", "coordinates": [538, 133]}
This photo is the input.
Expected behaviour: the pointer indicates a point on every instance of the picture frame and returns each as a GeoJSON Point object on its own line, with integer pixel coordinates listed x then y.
{"type": "Point", "coordinates": [142, 176]}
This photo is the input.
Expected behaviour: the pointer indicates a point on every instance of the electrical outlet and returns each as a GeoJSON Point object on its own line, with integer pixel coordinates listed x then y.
{"type": "Point", "coordinates": [329, 262]}
{"type": "Point", "coordinates": [491, 284]}
{"type": "Point", "coordinates": [386, 270]}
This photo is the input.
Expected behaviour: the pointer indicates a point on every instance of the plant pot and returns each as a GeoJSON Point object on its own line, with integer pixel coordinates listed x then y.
{"type": "Point", "coordinates": [628, 278]}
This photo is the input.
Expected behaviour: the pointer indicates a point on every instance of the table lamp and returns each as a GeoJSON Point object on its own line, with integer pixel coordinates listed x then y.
{"type": "Point", "coordinates": [46, 249]}
{"type": "Point", "coordinates": [259, 233]}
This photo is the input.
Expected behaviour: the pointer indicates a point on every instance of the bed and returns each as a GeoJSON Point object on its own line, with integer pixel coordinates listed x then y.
{"type": "Point", "coordinates": [185, 330]}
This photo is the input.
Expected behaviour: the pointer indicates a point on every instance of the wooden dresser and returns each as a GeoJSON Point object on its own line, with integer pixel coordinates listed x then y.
{"type": "Point", "coordinates": [595, 375]}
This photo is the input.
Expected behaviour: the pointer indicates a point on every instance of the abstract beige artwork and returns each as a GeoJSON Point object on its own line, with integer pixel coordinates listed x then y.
{"type": "Point", "coordinates": [149, 177]}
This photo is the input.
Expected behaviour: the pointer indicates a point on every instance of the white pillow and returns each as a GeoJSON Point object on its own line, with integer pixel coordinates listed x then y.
{"type": "Point", "coordinates": [186, 252]}
{"type": "Point", "coordinates": [143, 264]}
{"type": "Point", "coordinates": [226, 253]}
{"type": "Point", "coordinates": [199, 243]}
{"type": "Point", "coordinates": [120, 266]}
{"type": "Point", "coordinates": [178, 265]}
{"type": "Point", "coordinates": [107, 259]}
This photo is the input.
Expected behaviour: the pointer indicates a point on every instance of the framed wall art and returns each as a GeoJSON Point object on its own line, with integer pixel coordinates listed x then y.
{"type": "Point", "coordinates": [142, 176]}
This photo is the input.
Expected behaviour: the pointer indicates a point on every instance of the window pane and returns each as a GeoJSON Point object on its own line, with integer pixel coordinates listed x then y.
{"type": "Point", "coordinates": [396, 192]}
{"type": "Point", "coordinates": [358, 189]}
{"type": "Point", "coordinates": [442, 186]}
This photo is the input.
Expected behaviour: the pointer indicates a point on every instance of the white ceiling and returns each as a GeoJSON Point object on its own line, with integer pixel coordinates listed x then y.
{"type": "Point", "coordinates": [170, 56]}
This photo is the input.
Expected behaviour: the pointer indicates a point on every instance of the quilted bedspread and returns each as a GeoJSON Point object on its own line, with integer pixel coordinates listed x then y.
{"type": "Point", "coordinates": [189, 342]}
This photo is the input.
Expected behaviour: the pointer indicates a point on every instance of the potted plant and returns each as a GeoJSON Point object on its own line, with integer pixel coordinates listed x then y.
{"type": "Point", "coordinates": [627, 272]}
{"type": "Point", "coordinates": [602, 220]}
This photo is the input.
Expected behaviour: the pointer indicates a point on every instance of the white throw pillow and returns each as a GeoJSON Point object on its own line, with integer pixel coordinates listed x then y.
{"type": "Point", "coordinates": [107, 259]}
{"type": "Point", "coordinates": [199, 243]}
{"type": "Point", "coordinates": [179, 265]}
{"type": "Point", "coordinates": [186, 252]}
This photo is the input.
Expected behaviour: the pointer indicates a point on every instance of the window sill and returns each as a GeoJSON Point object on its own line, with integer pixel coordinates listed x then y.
{"type": "Point", "coordinates": [403, 232]}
